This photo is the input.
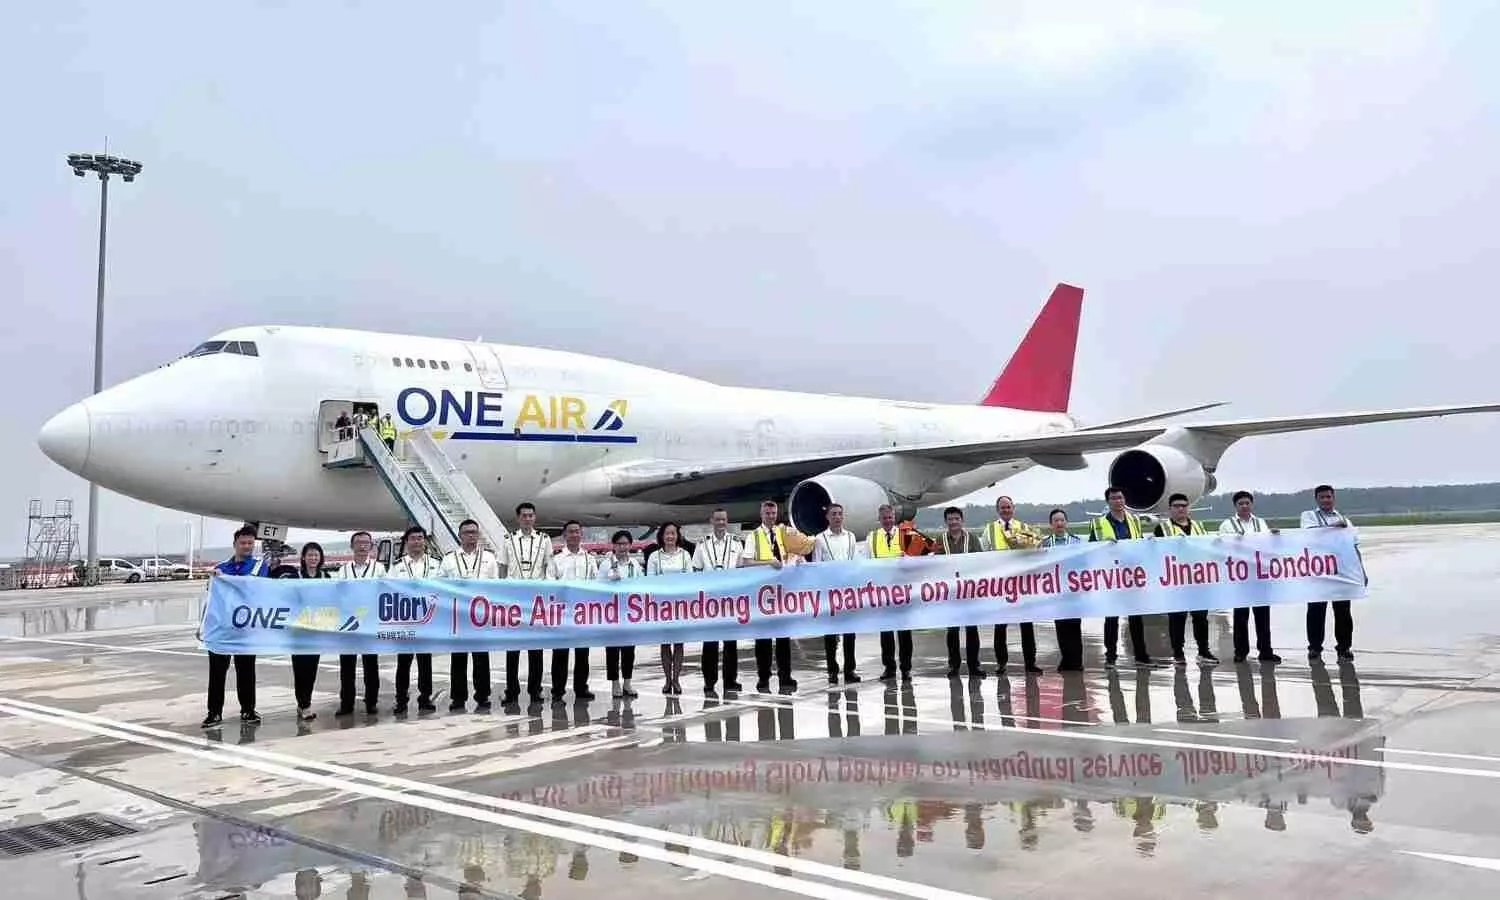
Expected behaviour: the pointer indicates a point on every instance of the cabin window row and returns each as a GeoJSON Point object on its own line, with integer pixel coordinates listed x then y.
{"type": "Point", "coordinates": [408, 362]}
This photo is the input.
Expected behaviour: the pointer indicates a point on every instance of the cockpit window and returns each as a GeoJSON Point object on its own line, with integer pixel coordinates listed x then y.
{"type": "Point", "coordinates": [209, 348]}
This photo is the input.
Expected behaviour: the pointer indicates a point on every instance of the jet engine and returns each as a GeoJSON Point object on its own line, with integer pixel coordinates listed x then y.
{"type": "Point", "coordinates": [807, 506]}
{"type": "Point", "coordinates": [1149, 475]}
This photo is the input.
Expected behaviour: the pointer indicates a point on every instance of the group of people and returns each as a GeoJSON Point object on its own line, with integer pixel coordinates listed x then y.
{"type": "Point", "coordinates": [527, 553]}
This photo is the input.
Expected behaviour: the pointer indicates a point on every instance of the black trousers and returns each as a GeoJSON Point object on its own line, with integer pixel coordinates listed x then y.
{"type": "Point", "coordinates": [1177, 629]}
{"type": "Point", "coordinates": [1262, 631]}
{"type": "Point", "coordinates": [731, 659]}
{"type": "Point", "coordinates": [458, 677]}
{"type": "Point", "coordinates": [782, 648]}
{"type": "Point", "coordinates": [1028, 645]}
{"type": "Point", "coordinates": [971, 647]}
{"type": "Point", "coordinates": [244, 682]}
{"type": "Point", "coordinates": [619, 662]}
{"type": "Point", "coordinates": [1317, 623]}
{"type": "Point", "coordinates": [1137, 637]}
{"type": "Point", "coordinates": [403, 678]}
{"type": "Point", "coordinates": [534, 662]}
{"type": "Point", "coordinates": [560, 671]}
{"type": "Point", "coordinates": [347, 664]}
{"type": "Point", "coordinates": [830, 650]}
{"type": "Point", "coordinates": [1069, 644]}
{"type": "Point", "coordinates": [304, 676]}
{"type": "Point", "coordinates": [888, 644]}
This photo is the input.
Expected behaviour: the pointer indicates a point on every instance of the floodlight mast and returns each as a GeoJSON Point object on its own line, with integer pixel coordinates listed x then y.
{"type": "Point", "coordinates": [104, 166]}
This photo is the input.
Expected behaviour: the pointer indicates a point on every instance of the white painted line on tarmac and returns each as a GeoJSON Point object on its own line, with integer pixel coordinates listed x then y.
{"type": "Point", "coordinates": [1434, 753]}
{"type": "Point", "coordinates": [1478, 862]}
{"type": "Point", "coordinates": [660, 854]}
{"type": "Point", "coordinates": [349, 775]}
{"type": "Point", "coordinates": [1225, 736]}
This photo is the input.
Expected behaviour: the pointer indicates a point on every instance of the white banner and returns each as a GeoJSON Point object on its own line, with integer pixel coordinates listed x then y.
{"type": "Point", "coordinates": [1088, 580]}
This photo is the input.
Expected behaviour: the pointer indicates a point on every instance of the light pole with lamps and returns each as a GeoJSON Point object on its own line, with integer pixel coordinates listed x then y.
{"type": "Point", "coordinates": [103, 166]}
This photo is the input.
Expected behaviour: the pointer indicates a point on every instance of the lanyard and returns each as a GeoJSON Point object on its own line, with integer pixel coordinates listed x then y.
{"type": "Point", "coordinates": [479, 563]}
{"type": "Point", "coordinates": [1239, 525]}
{"type": "Point", "coordinates": [366, 573]}
{"type": "Point", "coordinates": [527, 560]}
{"type": "Point", "coordinates": [717, 560]}
{"type": "Point", "coordinates": [406, 564]}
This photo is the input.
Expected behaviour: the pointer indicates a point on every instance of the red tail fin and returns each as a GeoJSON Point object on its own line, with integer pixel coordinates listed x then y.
{"type": "Point", "coordinates": [1039, 376]}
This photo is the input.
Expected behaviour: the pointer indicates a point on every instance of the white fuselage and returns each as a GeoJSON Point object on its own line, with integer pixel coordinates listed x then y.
{"type": "Point", "coordinates": [238, 436]}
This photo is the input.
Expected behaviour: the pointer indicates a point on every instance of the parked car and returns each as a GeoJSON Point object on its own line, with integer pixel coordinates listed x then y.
{"type": "Point", "coordinates": [114, 571]}
{"type": "Point", "coordinates": [156, 568]}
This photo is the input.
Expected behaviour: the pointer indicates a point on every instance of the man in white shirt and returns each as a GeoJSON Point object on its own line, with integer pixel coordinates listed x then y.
{"type": "Point", "coordinates": [1325, 515]}
{"type": "Point", "coordinates": [836, 544]}
{"type": "Point", "coordinates": [528, 555]}
{"type": "Point", "coordinates": [364, 565]}
{"type": "Point", "coordinates": [720, 550]}
{"type": "Point", "coordinates": [470, 562]}
{"type": "Point", "coordinates": [573, 563]}
{"type": "Point", "coordinates": [414, 564]}
{"type": "Point", "coordinates": [767, 546]}
{"type": "Point", "coordinates": [1245, 521]}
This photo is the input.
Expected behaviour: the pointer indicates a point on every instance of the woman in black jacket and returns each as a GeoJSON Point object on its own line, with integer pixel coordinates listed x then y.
{"type": "Point", "coordinates": [305, 665]}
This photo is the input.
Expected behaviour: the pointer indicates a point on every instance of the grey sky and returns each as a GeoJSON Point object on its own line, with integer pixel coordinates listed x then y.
{"type": "Point", "coordinates": [1290, 206]}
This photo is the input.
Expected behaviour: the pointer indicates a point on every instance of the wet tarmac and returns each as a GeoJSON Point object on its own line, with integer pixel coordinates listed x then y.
{"type": "Point", "coordinates": [1377, 778]}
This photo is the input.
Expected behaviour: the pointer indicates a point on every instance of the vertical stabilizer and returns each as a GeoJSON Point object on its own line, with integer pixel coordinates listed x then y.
{"type": "Point", "coordinates": [1039, 376]}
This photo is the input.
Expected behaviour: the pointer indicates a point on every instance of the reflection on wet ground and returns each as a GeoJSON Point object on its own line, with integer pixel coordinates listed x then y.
{"type": "Point", "coordinates": [1377, 778]}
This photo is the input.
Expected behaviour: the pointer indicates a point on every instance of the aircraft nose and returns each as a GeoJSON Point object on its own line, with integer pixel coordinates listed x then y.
{"type": "Point", "coordinates": [66, 437]}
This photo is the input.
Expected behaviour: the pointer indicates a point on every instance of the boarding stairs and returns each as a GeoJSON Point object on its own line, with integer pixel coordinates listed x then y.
{"type": "Point", "coordinates": [435, 493]}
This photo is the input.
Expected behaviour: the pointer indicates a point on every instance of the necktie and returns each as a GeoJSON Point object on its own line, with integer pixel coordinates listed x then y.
{"type": "Point", "coordinates": [775, 548]}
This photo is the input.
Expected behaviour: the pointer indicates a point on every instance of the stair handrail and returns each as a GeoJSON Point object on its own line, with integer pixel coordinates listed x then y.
{"type": "Point", "coordinates": [492, 531]}
{"type": "Point", "coordinates": [417, 504]}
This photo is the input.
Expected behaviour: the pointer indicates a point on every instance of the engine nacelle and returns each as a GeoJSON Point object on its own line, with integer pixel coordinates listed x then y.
{"type": "Point", "coordinates": [1149, 475]}
{"type": "Point", "coordinates": [807, 506]}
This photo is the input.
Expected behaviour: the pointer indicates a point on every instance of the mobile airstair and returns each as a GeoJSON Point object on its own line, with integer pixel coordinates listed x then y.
{"type": "Point", "coordinates": [435, 493]}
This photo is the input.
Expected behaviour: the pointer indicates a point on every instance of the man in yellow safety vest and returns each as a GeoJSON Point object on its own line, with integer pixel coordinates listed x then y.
{"type": "Point", "coordinates": [882, 543]}
{"type": "Point", "coordinates": [1009, 533]}
{"type": "Point", "coordinates": [1119, 525]}
{"type": "Point", "coordinates": [1181, 524]}
{"type": "Point", "coordinates": [775, 546]}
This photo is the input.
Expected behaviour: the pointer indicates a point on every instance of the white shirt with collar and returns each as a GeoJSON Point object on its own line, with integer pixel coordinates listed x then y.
{"type": "Point", "coordinates": [1316, 518]}
{"type": "Point", "coordinates": [752, 544]}
{"type": "Point", "coordinates": [406, 567]}
{"type": "Point", "coordinates": [351, 570]}
{"type": "Point", "coordinates": [571, 565]}
{"type": "Point", "coordinates": [831, 546]}
{"type": "Point", "coordinates": [1236, 525]}
{"type": "Point", "coordinates": [528, 555]}
{"type": "Point", "coordinates": [481, 564]}
{"type": "Point", "coordinates": [612, 569]}
{"type": "Point", "coordinates": [715, 552]}
{"type": "Point", "coordinates": [673, 563]}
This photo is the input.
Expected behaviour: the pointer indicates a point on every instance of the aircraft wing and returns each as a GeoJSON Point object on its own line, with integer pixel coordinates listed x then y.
{"type": "Point", "coordinates": [683, 481]}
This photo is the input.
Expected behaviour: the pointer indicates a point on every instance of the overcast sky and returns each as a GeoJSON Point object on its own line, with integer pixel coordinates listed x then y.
{"type": "Point", "coordinates": [1286, 205]}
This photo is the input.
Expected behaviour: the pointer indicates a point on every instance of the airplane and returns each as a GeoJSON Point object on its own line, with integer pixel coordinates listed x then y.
{"type": "Point", "coordinates": [243, 427]}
